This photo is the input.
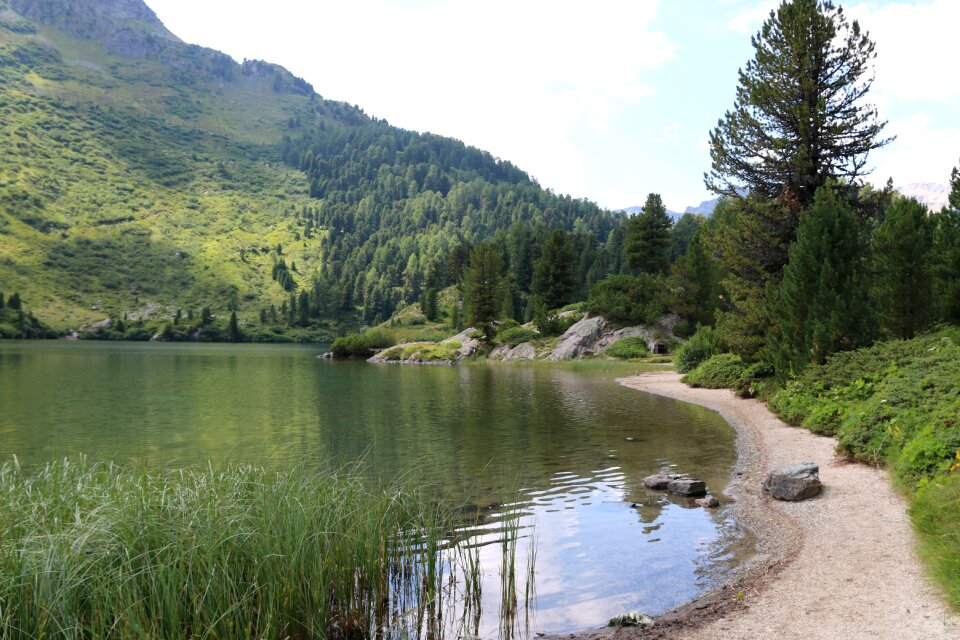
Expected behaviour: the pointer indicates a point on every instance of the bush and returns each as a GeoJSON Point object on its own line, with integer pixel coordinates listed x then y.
{"type": "Point", "coordinates": [704, 344]}
{"type": "Point", "coordinates": [362, 345]}
{"type": "Point", "coordinates": [628, 348]}
{"type": "Point", "coordinates": [516, 335]}
{"type": "Point", "coordinates": [719, 372]}
{"type": "Point", "coordinates": [627, 300]}
{"type": "Point", "coordinates": [683, 329]}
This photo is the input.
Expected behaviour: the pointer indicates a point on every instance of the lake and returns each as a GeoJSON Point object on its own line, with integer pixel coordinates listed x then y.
{"type": "Point", "coordinates": [575, 446]}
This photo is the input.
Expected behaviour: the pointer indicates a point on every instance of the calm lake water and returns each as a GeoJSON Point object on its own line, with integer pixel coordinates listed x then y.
{"type": "Point", "coordinates": [604, 545]}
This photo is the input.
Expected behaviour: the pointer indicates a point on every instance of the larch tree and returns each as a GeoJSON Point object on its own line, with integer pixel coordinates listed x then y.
{"type": "Point", "coordinates": [799, 117]}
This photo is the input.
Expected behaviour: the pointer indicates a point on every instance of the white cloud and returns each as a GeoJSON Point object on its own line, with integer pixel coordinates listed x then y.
{"type": "Point", "coordinates": [516, 78]}
{"type": "Point", "coordinates": [916, 48]}
{"type": "Point", "coordinates": [748, 20]}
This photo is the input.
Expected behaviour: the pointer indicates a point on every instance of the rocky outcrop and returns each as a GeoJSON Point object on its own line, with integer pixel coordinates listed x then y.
{"type": "Point", "coordinates": [796, 482]}
{"type": "Point", "coordinates": [523, 351]}
{"type": "Point", "coordinates": [590, 336]}
{"type": "Point", "coordinates": [448, 352]}
{"type": "Point", "coordinates": [579, 340]}
{"type": "Point", "coordinates": [91, 19]}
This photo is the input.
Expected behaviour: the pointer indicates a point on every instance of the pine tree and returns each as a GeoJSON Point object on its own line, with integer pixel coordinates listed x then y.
{"type": "Point", "coordinates": [483, 284]}
{"type": "Point", "coordinates": [553, 273]}
{"type": "Point", "coordinates": [798, 119]}
{"type": "Point", "coordinates": [823, 305]}
{"type": "Point", "coordinates": [428, 304]}
{"type": "Point", "coordinates": [1, 300]}
{"type": "Point", "coordinates": [13, 302]}
{"type": "Point", "coordinates": [205, 316]}
{"type": "Point", "coordinates": [303, 309]}
{"type": "Point", "coordinates": [647, 242]}
{"type": "Point", "coordinates": [901, 256]}
{"type": "Point", "coordinates": [695, 281]}
{"type": "Point", "coordinates": [233, 330]}
{"type": "Point", "coordinates": [946, 256]}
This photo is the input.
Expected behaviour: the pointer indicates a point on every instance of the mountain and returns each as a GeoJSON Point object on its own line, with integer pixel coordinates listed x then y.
{"type": "Point", "coordinates": [141, 174]}
{"type": "Point", "coordinates": [705, 208]}
{"type": "Point", "coordinates": [632, 211]}
{"type": "Point", "coordinates": [933, 195]}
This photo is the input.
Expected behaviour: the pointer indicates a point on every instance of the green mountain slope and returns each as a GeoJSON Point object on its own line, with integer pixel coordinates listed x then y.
{"type": "Point", "coordinates": [140, 174]}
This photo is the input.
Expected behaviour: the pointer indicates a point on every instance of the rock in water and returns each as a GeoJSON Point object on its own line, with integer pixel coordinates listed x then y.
{"type": "Point", "coordinates": [660, 481]}
{"type": "Point", "coordinates": [709, 502]}
{"type": "Point", "coordinates": [631, 619]}
{"type": "Point", "coordinates": [796, 482]}
{"type": "Point", "coordinates": [687, 487]}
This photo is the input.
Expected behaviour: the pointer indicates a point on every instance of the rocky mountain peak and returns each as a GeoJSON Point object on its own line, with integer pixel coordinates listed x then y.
{"type": "Point", "coordinates": [94, 19]}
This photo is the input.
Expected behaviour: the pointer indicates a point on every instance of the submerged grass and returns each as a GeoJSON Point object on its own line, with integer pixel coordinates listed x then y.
{"type": "Point", "coordinates": [102, 551]}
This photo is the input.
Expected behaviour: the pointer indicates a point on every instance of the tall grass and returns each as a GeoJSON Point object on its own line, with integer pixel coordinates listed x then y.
{"type": "Point", "coordinates": [100, 551]}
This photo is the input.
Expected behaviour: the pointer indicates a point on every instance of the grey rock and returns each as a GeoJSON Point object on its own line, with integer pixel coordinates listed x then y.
{"type": "Point", "coordinates": [631, 619]}
{"type": "Point", "coordinates": [578, 340]}
{"type": "Point", "coordinates": [660, 481]}
{"type": "Point", "coordinates": [687, 487]}
{"type": "Point", "coordinates": [796, 482]}
{"type": "Point", "coordinates": [709, 502]}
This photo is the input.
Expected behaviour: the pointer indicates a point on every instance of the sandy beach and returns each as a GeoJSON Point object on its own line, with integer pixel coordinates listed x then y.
{"type": "Point", "coordinates": [841, 565]}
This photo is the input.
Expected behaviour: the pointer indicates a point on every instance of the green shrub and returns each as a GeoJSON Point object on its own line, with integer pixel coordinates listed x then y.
{"type": "Point", "coordinates": [627, 300]}
{"type": "Point", "coordinates": [516, 335]}
{"type": "Point", "coordinates": [628, 348]}
{"type": "Point", "coordinates": [683, 329]}
{"type": "Point", "coordinates": [704, 344]}
{"type": "Point", "coordinates": [936, 517]}
{"type": "Point", "coordinates": [719, 372]}
{"type": "Point", "coordinates": [362, 345]}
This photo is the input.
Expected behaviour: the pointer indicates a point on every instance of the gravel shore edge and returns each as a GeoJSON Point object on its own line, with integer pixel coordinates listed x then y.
{"type": "Point", "coordinates": [842, 565]}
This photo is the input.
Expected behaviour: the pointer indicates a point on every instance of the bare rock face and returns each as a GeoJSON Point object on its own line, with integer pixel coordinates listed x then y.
{"type": "Point", "coordinates": [796, 482]}
{"type": "Point", "coordinates": [93, 19]}
{"type": "Point", "coordinates": [578, 340]}
{"type": "Point", "coordinates": [523, 351]}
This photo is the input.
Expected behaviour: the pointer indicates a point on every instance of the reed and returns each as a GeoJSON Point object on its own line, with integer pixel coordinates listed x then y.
{"type": "Point", "coordinates": [104, 551]}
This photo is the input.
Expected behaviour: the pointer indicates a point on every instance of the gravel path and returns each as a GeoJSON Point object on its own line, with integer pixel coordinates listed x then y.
{"type": "Point", "coordinates": [841, 565]}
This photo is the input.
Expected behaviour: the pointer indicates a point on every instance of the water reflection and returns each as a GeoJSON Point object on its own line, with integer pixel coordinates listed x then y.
{"type": "Point", "coordinates": [575, 446]}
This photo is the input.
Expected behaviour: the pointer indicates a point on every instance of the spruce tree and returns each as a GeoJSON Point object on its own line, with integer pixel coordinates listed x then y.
{"type": "Point", "coordinates": [823, 303]}
{"type": "Point", "coordinates": [1, 300]}
{"type": "Point", "coordinates": [799, 117]}
{"type": "Point", "coordinates": [647, 243]}
{"type": "Point", "coordinates": [553, 273]}
{"type": "Point", "coordinates": [13, 302]}
{"type": "Point", "coordinates": [205, 316]}
{"type": "Point", "coordinates": [483, 285]}
{"type": "Point", "coordinates": [303, 309]}
{"type": "Point", "coordinates": [901, 257]}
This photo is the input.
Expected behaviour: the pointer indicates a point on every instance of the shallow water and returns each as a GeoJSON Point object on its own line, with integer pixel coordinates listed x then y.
{"type": "Point", "coordinates": [478, 434]}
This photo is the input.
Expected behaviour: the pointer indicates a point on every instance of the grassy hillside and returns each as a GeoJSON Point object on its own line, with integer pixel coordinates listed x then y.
{"type": "Point", "coordinates": [140, 175]}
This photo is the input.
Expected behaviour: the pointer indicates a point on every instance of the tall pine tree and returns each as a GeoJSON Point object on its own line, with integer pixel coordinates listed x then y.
{"type": "Point", "coordinates": [647, 242]}
{"type": "Point", "coordinates": [823, 304]}
{"type": "Point", "coordinates": [946, 256]}
{"type": "Point", "coordinates": [799, 117]}
{"type": "Point", "coordinates": [553, 272]}
{"type": "Point", "coordinates": [483, 285]}
{"type": "Point", "coordinates": [901, 256]}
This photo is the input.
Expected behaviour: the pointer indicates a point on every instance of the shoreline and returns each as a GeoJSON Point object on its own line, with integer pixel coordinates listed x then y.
{"type": "Point", "coordinates": [842, 564]}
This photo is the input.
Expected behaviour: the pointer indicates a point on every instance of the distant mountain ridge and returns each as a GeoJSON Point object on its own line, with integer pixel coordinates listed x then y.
{"type": "Point", "coordinates": [935, 196]}
{"type": "Point", "coordinates": [705, 208]}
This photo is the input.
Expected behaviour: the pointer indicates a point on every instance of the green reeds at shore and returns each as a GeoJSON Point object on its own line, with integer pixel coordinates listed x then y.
{"type": "Point", "coordinates": [100, 551]}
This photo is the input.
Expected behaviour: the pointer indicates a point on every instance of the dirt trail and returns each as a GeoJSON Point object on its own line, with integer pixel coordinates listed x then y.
{"type": "Point", "coordinates": [841, 565]}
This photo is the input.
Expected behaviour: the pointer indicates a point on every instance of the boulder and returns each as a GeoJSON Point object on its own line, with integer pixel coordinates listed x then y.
{"type": "Point", "coordinates": [660, 481]}
{"type": "Point", "coordinates": [709, 502]}
{"type": "Point", "coordinates": [631, 619]}
{"type": "Point", "coordinates": [796, 482]}
{"type": "Point", "coordinates": [578, 340]}
{"type": "Point", "coordinates": [687, 487]}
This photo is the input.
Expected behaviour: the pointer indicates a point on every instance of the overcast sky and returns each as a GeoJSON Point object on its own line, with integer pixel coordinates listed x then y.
{"type": "Point", "coordinates": [605, 100]}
